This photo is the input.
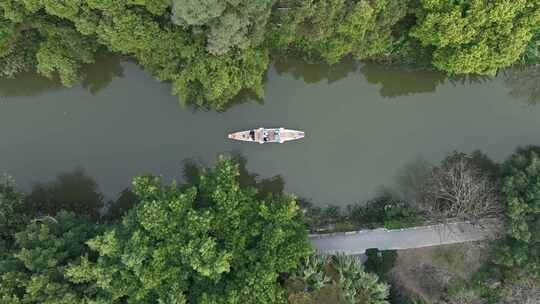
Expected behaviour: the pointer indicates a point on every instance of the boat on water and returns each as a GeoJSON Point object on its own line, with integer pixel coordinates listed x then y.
{"type": "Point", "coordinates": [267, 135]}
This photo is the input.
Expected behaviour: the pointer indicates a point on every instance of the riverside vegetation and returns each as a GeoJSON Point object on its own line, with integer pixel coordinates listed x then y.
{"type": "Point", "coordinates": [211, 240]}
{"type": "Point", "coordinates": [221, 238]}
{"type": "Point", "coordinates": [212, 50]}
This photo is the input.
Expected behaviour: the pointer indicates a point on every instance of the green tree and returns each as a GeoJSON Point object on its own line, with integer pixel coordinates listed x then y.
{"type": "Point", "coordinates": [21, 55]}
{"type": "Point", "coordinates": [64, 51]}
{"type": "Point", "coordinates": [359, 286]}
{"type": "Point", "coordinates": [35, 273]}
{"type": "Point", "coordinates": [312, 273]}
{"type": "Point", "coordinates": [70, 33]}
{"type": "Point", "coordinates": [8, 35]}
{"type": "Point", "coordinates": [208, 242]}
{"type": "Point", "coordinates": [13, 211]}
{"type": "Point", "coordinates": [198, 77]}
{"type": "Point", "coordinates": [380, 262]}
{"type": "Point", "coordinates": [197, 12]}
{"type": "Point", "coordinates": [336, 28]}
{"type": "Point", "coordinates": [476, 36]}
{"type": "Point", "coordinates": [17, 48]}
{"type": "Point", "coordinates": [214, 81]}
{"type": "Point", "coordinates": [227, 24]}
{"type": "Point", "coordinates": [522, 197]}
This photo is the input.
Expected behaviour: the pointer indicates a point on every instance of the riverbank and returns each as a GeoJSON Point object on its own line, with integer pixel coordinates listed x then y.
{"type": "Point", "coordinates": [212, 57]}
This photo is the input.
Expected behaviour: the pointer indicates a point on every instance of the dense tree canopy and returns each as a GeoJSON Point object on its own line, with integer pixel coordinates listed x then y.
{"type": "Point", "coordinates": [8, 35]}
{"type": "Point", "coordinates": [35, 271]}
{"type": "Point", "coordinates": [68, 35]}
{"type": "Point", "coordinates": [228, 23]}
{"type": "Point", "coordinates": [522, 194]}
{"type": "Point", "coordinates": [223, 237]}
{"type": "Point", "coordinates": [212, 50]}
{"type": "Point", "coordinates": [476, 36]}
{"type": "Point", "coordinates": [17, 47]}
{"type": "Point", "coordinates": [13, 211]}
{"type": "Point", "coordinates": [211, 242]}
{"type": "Point", "coordinates": [336, 28]}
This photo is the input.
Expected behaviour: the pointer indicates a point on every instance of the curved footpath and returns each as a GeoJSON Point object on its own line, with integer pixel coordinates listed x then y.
{"type": "Point", "coordinates": [357, 242]}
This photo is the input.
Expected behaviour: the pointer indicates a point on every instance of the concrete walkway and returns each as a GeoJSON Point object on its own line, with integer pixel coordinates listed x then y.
{"type": "Point", "coordinates": [358, 241]}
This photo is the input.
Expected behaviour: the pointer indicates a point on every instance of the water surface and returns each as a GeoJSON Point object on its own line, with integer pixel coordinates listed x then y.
{"type": "Point", "coordinates": [367, 125]}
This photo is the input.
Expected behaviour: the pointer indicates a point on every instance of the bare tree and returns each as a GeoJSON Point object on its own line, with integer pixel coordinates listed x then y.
{"type": "Point", "coordinates": [459, 189]}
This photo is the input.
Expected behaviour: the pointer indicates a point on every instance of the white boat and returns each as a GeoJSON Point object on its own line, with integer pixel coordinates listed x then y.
{"type": "Point", "coordinates": [267, 135]}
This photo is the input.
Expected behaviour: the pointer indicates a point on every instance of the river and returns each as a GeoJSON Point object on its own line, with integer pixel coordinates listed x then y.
{"type": "Point", "coordinates": [368, 126]}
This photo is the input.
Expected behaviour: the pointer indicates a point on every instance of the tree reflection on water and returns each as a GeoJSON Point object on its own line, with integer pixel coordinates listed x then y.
{"type": "Point", "coordinates": [312, 72]}
{"type": "Point", "coordinates": [73, 191]}
{"type": "Point", "coordinates": [264, 186]}
{"type": "Point", "coordinates": [524, 83]}
{"type": "Point", "coordinates": [398, 81]}
{"type": "Point", "coordinates": [97, 76]}
{"type": "Point", "coordinates": [94, 78]}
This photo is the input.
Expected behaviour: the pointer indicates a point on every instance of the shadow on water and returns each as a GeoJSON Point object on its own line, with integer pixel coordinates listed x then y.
{"type": "Point", "coordinates": [524, 83]}
{"type": "Point", "coordinates": [95, 77]}
{"type": "Point", "coordinates": [300, 69]}
{"type": "Point", "coordinates": [125, 201]}
{"type": "Point", "coordinates": [77, 192]}
{"type": "Point", "coordinates": [245, 96]}
{"type": "Point", "coordinates": [405, 187]}
{"type": "Point", "coordinates": [396, 81]}
{"type": "Point", "coordinates": [315, 72]}
{"type": "Point", "coordinates": [27, 84]}
{"type": "Point", "coordinates": [265, 186]}
{"type": "Point", "coordinates": [469, 79]}
{"type": "Point", "coordinates": [73, 191]}
{"type": "Point", "coordinates": [410, 178]}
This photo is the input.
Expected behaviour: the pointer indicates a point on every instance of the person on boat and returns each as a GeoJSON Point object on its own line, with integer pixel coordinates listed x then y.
{"type": "Point", "coordinates": [252, 134]}
{"type": "Point", "coordinates": [265, 136]}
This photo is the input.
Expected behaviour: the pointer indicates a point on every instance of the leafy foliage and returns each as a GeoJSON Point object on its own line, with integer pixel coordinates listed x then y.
{"type": "Point", "coordinates": [13, 209]}
{"type": "Point", "coordinates": [21, 56]}
{"type": "Point", "coordinates": [215, 80]}
{"type": "Point", "coordinates": [522, 197]}
{"type": "Point", "coordinates": [383, 211]}
{"type": "Point", "coordinates": [230, 24]}
{"type": "Point", "coordinates": [44, 249]}
{"type": "Point", "coordinates": [312, 272]}
{"type": "Point", "coordinates": [213, 50]}
{"type": "Point", "coordinates": [209, 242]}
{"type": "Point", "coordinates": [476, 36]}
{"type": "Point", "coordinates": [8, 35]}
{"type": "Point", "coordinates": [359, 286]}
{"type": "Point", "coordinates": [532, 52]}
{"type": "Point", "coordinates": [64, 51]}
{"type": "Point", "coordinates": [333, 29]}
{"type": "Point", "coordinates": [380, 262]}
{"type": "Point", "coordinates": [70, 33]}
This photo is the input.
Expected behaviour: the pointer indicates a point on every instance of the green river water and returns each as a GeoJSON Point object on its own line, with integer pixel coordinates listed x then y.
{"type": "Point", "coordinates": [368, 127]}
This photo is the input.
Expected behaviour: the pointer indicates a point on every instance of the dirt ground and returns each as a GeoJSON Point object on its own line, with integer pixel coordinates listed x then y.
{"type": "Point", "coordinates": [426, 273]}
